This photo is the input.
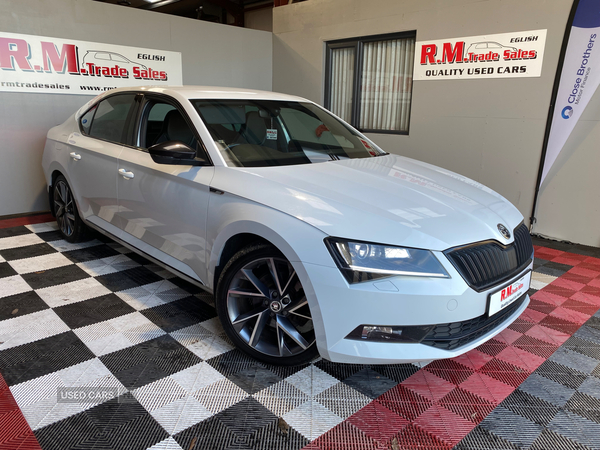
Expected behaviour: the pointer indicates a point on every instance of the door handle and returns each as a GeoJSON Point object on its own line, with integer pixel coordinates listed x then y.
{"type": "Point", "coordinates": [75, 156]}
{"type": "Point", "coordinates": [125, 174]}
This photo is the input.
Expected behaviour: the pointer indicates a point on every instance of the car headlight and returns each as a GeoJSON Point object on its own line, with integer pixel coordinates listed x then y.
{"type": "Point", "coordinates": [364, 261]}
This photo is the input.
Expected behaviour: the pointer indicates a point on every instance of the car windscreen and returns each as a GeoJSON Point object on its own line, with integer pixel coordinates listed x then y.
{"type": "Point", "coordinates": [260, 133]}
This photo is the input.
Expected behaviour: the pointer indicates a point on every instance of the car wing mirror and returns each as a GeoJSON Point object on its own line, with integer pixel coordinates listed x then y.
{"type": "Point", "coordinates": [176, 153]}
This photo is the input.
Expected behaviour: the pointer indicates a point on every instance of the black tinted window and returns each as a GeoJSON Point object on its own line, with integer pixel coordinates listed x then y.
{"type": "Point", "coordinates": [111, 117]}
{"type": "Point", "coordinates": [86, 120]}
{"type": "Point", "coordinates": [164, 122]}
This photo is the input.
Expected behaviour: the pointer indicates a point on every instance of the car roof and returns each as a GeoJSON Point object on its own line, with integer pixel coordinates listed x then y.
{"type": "Point", "coordinates": [211, 92]}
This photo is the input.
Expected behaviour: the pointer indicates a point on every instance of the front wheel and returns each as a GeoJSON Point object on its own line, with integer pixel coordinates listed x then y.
{"type": "Point", "coordinates": [263, 307]}
{"type": "Point", "coordinates": [70, 225]}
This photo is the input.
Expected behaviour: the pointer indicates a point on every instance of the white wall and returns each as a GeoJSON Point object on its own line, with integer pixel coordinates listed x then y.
{"type": "Point", "coordinates": [259, 19]}
{"type": "Point", "coordinates": [212, 54]}
{"type": "Point", "coordinates": [489, 130]}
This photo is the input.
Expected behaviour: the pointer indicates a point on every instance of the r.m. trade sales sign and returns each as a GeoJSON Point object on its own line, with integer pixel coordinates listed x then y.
{"type": "Point", "coordinates": [506, 55]}
{"type": "Point", "coordinates": [64, 66]}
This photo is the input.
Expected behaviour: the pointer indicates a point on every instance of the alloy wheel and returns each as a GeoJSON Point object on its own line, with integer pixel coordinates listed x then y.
{"type": "Point", "coordinates": [268, 309]}
{"type": "Point", "coordinates": [64, 208]}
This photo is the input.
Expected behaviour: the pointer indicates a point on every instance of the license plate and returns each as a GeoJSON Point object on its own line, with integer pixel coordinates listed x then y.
{"type": "Point", "coordinates": [508, 294]}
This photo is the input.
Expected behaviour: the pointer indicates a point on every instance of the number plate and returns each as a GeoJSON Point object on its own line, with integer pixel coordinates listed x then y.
{"type": "Point", "coordinates": [508, 294]}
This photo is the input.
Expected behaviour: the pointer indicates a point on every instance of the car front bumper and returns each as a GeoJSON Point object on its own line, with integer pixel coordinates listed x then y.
{"type": "Point", "coordinates": [338, 308]}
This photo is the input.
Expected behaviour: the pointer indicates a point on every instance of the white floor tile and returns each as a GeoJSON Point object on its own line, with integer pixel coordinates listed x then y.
{"type": "Point", "coordinates": [20, 241]}
{"type": "Point", "coordinates": [40, 263]}
{"type": "Point", "coordinates": [167, 444]}
{"type": "Point", "coordinates": [29, 328]}
{"type": "Point", "coordinates": [181, 414]}
{"type": "Point", "coordinates": [42, 227]}
{"type": "Point", "coordinates": [64, 246]}
{"type": "Point", "coordinates": [197, 377]}
{"type": "Point", "coordinates": [108, 265]}
{"type": "Point", "coordinates": [312, 380]}
{"type": "Point", "coordinates": [151, 295]}
{"type": "Point", "coordinates": [76, 291]}
{"type": "Point", "coordinates": [13, 285]}
{"type": "Point", "coordinates": [311, 419]}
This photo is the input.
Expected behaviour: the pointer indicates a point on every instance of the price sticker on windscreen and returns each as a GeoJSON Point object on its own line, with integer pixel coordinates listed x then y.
{"type": "Point", "coordinates": [272, 134]}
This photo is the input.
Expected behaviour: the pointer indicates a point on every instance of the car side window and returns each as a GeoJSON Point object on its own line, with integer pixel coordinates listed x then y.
{"type": "Point", "coordinates": [109, 122]}
{"type": "Point", "coordinates": [86, 120]}
{"type": "Point", "coordinates": [163, 122]}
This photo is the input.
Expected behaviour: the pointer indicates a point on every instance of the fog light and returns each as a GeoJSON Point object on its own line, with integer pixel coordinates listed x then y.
{"type": "Point", "coordinates": [383, 333]}
{"type": "Point", "coordinates": [386, 333]}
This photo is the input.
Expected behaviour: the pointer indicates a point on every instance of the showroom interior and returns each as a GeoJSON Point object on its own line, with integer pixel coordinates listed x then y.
{"type": "Point", "coordinates": [523, 122]}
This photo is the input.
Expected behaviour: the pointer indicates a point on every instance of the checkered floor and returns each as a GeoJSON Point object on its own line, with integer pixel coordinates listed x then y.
{"type": "Point", "coordinates": [96, 315]}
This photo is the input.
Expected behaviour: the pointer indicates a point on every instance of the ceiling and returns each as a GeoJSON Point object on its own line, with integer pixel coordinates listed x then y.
{"type": "Point", "coordinates": [220, 11]}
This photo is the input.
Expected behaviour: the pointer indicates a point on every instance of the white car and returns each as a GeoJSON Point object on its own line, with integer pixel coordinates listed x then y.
{"type": "Point", "coordinates": [311, 238]}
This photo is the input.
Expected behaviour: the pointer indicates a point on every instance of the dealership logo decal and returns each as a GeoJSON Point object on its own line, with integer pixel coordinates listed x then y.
{"type": "Point", "coordinates": [45, 64]}
{"type": "Point", "coordinates": [567, 112]}
{"type": "Point", "coordinates": [491, 56]}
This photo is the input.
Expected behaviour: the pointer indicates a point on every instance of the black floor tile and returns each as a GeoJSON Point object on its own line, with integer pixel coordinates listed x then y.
{"type": "Point", "coordinates": [53, 277]}
{"type": "Point", "coordinates": [127, 279]}
{"type": "Point", "coordinates": [29, 361]}
{"type": "Point", "coordinates": [554, 269]}
{"type": "Point", "coordinates": [50, 236]}
{"type": "Point", "coordinates": [231, 362]}
{"type": "Point", "coordinates": [91, 253]}
{"type": "Point", "coordinates": [530, 407]}
{"type": "Point", "coordinates": [550, 440]}
{"type": "Point", "coordinates": [370, 383]}
{"type": "Point", "coordinates": [180, 313]}
{"type": "Point", "coordinates": [254, 378]}
{"type": "Point", "coordinates": [20, 305]}
{"type": "Point", "coordinates": [121, 423]}
{"type": "Point", "coordinates": [187, 286]}
{"type": "Point", "coordinates": [92, 311]}
{"type": "Point", "coordinates": [14, 231]}
{"type": "Point", "coordinates": [561, 374]}
{"type": "Point", "coordinates": [585, 406]}
{"type": "Point", "coordinates": [149, 361]}
{"type": "Point", "coordinates": [6, 270]}
{"type": "Point", "coordinates": [29, 251]}
{"type": "Point", "coordinates": [339, 371]}
{"type": "Point", "coordinates": [138, 258]}
{"type": "Point", "coordinates": [397, 372]}
{"type": "Point", "coordinates": [480, 438]}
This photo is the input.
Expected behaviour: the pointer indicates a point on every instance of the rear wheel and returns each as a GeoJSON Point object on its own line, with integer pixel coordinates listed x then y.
{"type": "Point", "coordinates": [70, 224]}
{"type": "Point", "coordinates": [263, 307]}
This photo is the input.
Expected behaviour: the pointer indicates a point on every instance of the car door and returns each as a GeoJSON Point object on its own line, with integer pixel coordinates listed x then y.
{"type": "Point", "coordinates": [93, 159]}
{"type": "Point", "coordinates": [162, 207]}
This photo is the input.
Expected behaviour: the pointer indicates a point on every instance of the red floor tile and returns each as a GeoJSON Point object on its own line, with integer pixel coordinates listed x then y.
{"type": "Point", "coordinates": [444, 424]}
{"type": "Point", "coordinates": [529, 315]}
{"type": "Point", "coordinates": [28, 220]}
{"type": "Point", "coordinates": [404, 402]}
{"type": "Point", "coordinates": [450, 370]}
{"type": "Point", "coordinates": [570, 315]}
{"type": "Point", "coordinates": [344, 436]}
{"type": "Point", "coordinates": [521, 358]}
{"type": "Point", "coordinates": [15, 433]}
{"type": "Point", "coordinates": [467, 405]}
{"type": "Point", "coordinates": [428, 385]}
{"type": "Point", "coordinates": [413, 437]}
{"type": "Point", "coordinates": [508, 336]}
{"type": "Point", "coordinates": [378, 422]}
{"type": "Point", "coordinates": [582, 307]}
{"type": "Point", "coordinates": [546, 253]}
{"type": "Point", "coordinates": [473, 359]}
{"type": "Point", "coordinates": [547, 334]}
{"type": "Point", "coordinates": [546, 295]}
{"type": "Point", "coordinates": [536, 346]}
{"type": "Point", "coordinates": [487, 387]}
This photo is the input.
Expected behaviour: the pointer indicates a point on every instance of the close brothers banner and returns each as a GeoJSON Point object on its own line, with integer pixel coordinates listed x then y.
{"type": "Point", "coordinates": [506, 55]}
{"type": "Point", "coordinates": [579, 79]}
{"type": "Point", "coordinates": [64, 66]}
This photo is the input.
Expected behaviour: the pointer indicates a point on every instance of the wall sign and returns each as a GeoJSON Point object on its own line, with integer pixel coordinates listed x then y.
{"type": "Point", "coordinates": [506, 55]}
{"type": "Point", "coordinates": [62, 66]}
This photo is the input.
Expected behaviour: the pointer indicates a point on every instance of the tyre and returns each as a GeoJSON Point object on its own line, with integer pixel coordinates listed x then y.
{"type": "Point", "coordinates": [70, 225]}
{"type": "Point", "coordinates": [263, 307]}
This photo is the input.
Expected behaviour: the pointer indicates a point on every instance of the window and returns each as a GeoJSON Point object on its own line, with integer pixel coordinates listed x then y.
{"type": "Point", "coordinates": [261, 133]}
{"type": "Point", "coordinates": [164, 122]}
{"type": "Point", "coordinates": [86, 120]}
{"type": "Point", "coordinates": [369, 81]}
{"type": "Point", "coordinates": [109, 122]}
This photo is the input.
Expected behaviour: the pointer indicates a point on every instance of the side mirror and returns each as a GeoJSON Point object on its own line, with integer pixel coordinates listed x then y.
{"type": "Point", "coordinates": [176, 153]}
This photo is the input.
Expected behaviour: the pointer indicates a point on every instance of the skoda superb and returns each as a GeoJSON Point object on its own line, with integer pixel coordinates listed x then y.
{"type": "Point", "coordinates": [312, 239]}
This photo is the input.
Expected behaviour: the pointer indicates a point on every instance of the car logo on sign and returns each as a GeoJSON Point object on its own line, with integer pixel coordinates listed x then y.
{"type": "Point", "coordinates": [504, 231]}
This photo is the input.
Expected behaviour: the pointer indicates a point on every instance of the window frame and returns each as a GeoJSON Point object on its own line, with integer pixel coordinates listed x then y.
{"type": "Point", "coordinates": [140, 122]}
{"type": "Point", "coordinates": [127, 129]}
{"type": "Point", "coordinates": [358, 43]}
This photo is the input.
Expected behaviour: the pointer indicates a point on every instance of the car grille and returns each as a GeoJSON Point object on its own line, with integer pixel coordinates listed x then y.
{"type": "Point", "coordinates": [487, 264]}
{"type": "Point", "coordinates": [449, 336]}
